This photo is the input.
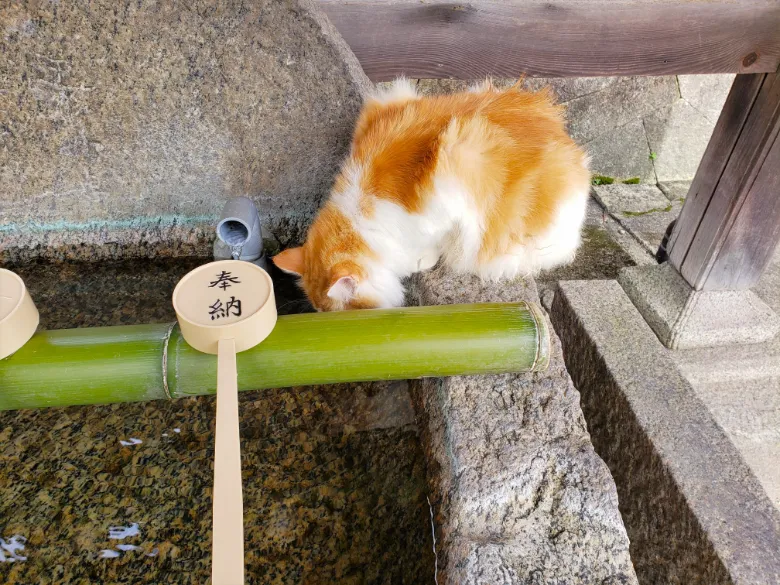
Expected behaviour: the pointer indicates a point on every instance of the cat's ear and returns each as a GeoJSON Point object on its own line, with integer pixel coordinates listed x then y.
{"type": "Point", "coordinates": [343, 289]}
{"type": "Point", "coordinates": [291, 260]}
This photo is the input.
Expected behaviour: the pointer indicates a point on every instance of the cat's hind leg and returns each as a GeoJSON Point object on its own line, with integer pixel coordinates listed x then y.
{"type": "Point", "coordinates": [556, 246]}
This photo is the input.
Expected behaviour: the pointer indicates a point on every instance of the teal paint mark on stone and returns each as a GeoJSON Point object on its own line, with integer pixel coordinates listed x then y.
{"type": "Point", "coordinates": [95, 225]}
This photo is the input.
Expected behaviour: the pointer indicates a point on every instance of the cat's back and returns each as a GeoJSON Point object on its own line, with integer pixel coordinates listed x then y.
{"type": "Point", "coordinates": [411, 131]}
{"type": "Point", "coordinates": [401, 145]}
{"type": "Point", "coordinates": [395, 149]}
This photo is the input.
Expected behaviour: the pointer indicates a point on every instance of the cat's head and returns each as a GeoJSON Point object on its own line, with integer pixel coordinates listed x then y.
{"type": "Point", "coordinates": [338, 270]}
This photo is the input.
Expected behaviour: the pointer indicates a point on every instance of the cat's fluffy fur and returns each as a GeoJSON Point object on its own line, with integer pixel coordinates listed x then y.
{"type": "Point", "coordinates": [486, 180]}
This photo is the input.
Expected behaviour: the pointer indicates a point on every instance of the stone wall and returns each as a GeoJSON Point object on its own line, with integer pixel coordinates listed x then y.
{"type": "Point", "coordinates": [653, 128]}
{"type": "Point", "coordinates": [120, 117]}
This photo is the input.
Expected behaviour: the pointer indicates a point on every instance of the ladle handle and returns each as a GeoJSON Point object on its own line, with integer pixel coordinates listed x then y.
{"type": "Point", "coordinates": [227, 563]}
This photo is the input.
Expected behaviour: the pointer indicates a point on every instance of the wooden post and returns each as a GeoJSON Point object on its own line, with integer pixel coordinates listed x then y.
{"type": "Point", "coordinates": [729, 226]}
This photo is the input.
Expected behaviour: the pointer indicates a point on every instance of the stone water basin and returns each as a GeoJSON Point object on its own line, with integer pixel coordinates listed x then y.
{"type": "Point", "coordinates": [334, 476]}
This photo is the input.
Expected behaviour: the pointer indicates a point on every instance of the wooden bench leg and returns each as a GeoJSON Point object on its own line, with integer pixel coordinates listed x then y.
{"type": "Point", "coordinates": [729, 226]}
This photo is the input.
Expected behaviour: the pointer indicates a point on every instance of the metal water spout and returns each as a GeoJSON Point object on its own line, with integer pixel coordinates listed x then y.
{"type": "Point", "coordinates": [239, 236]}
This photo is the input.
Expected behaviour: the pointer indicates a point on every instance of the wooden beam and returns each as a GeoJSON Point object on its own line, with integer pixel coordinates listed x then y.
{"type": "Point", "coordinates": [729, 226]}
{"type": "Point", "coordinates": [558, 38]}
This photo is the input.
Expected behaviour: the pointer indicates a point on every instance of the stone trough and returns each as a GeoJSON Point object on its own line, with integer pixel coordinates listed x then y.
{"type": "Point", "coordinates": [128, 127]}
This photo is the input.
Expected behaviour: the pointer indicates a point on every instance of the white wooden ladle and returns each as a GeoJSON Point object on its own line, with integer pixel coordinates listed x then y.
{"type": "Point", "coordinates": [18, 315]}
{"type": "Point", "coordinates": [223, 308]}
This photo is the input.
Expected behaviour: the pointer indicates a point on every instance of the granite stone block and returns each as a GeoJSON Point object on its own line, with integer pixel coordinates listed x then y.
{"type": "Point", "coordinates": [683, 318]}
{"type": "Point", "coordinates": [678, 135]}
{"type": "Point", "coordinates": [519, 493]}
{"type": "Point", "coordinates": [643, 210]}
{"type": "Point", "coordinates": [706, 93]}
{"type": "Point", "coordinates": [675, 190]}
{"type": "Point", "coordinates": [622, 153]}
{"type": "Point", "coordinates": [694, 512]}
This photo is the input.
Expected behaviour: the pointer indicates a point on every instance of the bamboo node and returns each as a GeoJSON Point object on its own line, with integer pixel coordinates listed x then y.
{"type": "Point", "coordinates": [166, 339]}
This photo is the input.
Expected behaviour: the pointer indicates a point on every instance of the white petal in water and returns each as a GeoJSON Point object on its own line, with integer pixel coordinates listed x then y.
{"type": "Point", "coordinates": [122, 532]}
{"type": "Point", "coordinates": [9, 549]}
{"type": "Point", "coordinates": [131, 442]}
{"type": "Point", "coordinates": [108, 554]}
{"type": "Point", "coordinates": [127, 547]}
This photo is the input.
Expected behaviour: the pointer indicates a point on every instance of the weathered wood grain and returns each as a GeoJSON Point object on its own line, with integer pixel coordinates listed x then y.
{"type": "Point", "coordinates": [730, 223]}
{"type": "Point", "coordinates": [750, 243]}
{"type": "Point", "coordinates": [558, 38]}
{"type": "Point", "coordinates": [732, 118]}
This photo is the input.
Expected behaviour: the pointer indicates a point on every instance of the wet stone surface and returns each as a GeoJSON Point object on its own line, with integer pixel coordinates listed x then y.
{"type": "Point", "coordinates": [334, 477]}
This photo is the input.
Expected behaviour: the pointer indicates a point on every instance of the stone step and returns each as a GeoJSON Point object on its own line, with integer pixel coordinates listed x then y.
{"type": "Point", "coordinates": [728, 364]}
{"type": "Point", "coordinates": [749, 412]}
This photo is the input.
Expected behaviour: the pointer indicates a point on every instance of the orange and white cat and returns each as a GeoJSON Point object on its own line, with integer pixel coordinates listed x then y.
{"type": "Point", "coordinates": [487, 181]}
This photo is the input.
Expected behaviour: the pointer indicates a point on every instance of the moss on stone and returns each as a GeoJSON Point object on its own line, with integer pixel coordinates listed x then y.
{"type": "Point", "coordinates": [649, 211]}
{"type": "Point", "coordinates": [598, 258]}
{"type": "Point", "coordinates": [605, 180]}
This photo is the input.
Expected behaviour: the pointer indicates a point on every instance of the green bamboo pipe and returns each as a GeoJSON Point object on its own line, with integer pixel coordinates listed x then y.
{"type": "Point", "coordinates": [150, 362]}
